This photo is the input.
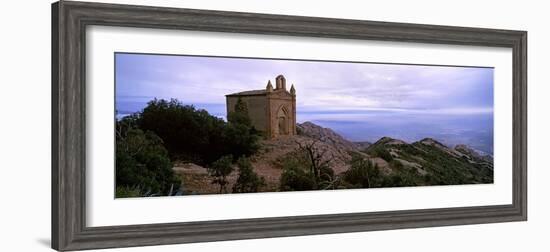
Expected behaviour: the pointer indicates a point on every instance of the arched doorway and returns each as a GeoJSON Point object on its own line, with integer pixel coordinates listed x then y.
{"type": "Point", "coordinates": [282, 121]}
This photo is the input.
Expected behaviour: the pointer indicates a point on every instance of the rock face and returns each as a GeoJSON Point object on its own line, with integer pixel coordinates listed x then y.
{"type": "Point", "coordinates": [335, 148]}
{"type": "Point", "coordinates": [325, 135]}
{"type": "Point", "coordinates": [274, 151]}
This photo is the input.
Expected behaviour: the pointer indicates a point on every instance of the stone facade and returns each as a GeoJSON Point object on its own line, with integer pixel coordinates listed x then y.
{"type": "Point", "coordinates": [271, 110]}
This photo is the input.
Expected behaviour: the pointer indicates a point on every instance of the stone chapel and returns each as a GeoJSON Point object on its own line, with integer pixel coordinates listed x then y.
{"type": "Point", "coordinates": [271, 110]}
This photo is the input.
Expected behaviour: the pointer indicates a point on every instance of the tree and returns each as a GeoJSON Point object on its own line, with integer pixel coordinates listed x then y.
{"type": "Point", "coordinates": [240, 114]}
{"type": "Point", "coordinates": [241, 137]}
{"type": "Point", "coordinates": [308, 168]}
{"type": "Point", "coordinates": [219, 170]}
{"type": "Point", "coordinates": [194, 135]}
{"type": "Point", "coordinates": [248, 180]}
{"type": "Point", "coordinates": [142, 162]}
{"type": "Point", "coordinates": [318, 162]}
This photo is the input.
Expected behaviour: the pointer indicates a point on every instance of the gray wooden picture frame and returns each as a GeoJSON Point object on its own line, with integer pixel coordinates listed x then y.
{"type": "Point", "coordinates": [69, 21]}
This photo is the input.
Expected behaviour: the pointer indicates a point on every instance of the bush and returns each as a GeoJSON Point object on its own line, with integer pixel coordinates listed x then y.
{"type": "Point", "coordinates": [396, 164]}
{"type": "Point", "coordinates": [127, 192]}
{"type": "Point", "coordinates": [306, 169]}
{"type": "Point", "coordinates": [219, 170]}
{"type": "Point", "coordinates": [240, 140]}
{"type": "Point", "coordinates": [403, 176]}
{"type": "Point", "coordinates": [248, 180]}
{"type": "Point", "coordinates": [194, 135]}
{"type": "Point", "coordinates": [392, 181]}
{"type": "Point", "coordinates": [296, 177]}
{"type": "Point", "coordinates": [326, 178]}
{"type": "Point", "coordinates": [362, 173]}
{"type": "Point", "coordinates": [241, 136]}
{"type": "Point", "coordinates": [239, 114]}
{"type": "Point", "coordinates": [142, 161]}
{"type": "Point", "coordinates": [381, 152]}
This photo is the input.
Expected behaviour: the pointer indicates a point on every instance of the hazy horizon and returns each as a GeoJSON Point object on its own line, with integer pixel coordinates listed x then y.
{"type": "Point", "coordinates": [360, 101]}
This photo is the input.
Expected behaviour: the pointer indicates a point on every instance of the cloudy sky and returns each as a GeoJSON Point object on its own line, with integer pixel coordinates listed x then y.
{"type": "Point", "coordinates": [327, 92]}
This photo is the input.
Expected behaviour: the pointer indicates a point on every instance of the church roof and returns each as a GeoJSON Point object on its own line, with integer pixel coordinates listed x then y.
{"type": "Point", "coordinates": [250, 92]}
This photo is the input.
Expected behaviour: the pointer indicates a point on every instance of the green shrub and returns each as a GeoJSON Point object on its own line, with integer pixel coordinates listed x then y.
{"type": "Point", "coordinates": [248, 180]}
{"type": "Point", "coordinates": [307, 169]}
{"type": "Point", "coordinates": [392, 181]}
{"type": "Point", "coordinates": [194, 135]}
{"type": "Point", "coordinates": [142, 161]}
{"type": "Point", "coordinates": [403, 176]}
{"type": "Point", "coordinates": [239, 114]}
{"type": "Point", "coordinates": [396, 164]}
{"type": "Point", "coordinates": [381, 152]}
{"type": "Point", "coordinates": [240, 140]}
{"type": "Point", "coordinates": [362, 173]}
{"type": "Point", "coordinates": [296, 177]}
{"type": "Point", "coordinates": [314, 160]}
{"type": "Point", "coordinates": [127, 192]}
{"type": "Point", "coordinates": [219, 170]}
{"type": "Point", "coordinates": [326, 178]}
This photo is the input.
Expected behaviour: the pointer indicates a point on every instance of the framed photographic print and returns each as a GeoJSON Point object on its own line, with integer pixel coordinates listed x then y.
{"type": "Point", "coordinates": [178, 125]}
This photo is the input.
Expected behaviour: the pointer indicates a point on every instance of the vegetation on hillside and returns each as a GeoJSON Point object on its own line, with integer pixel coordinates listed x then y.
{"type": "Point", "coordinates": [418, 164]}
{"type": "Point", "coordinates": [194, 135]}
{"type": "Point", "coordinates": [307, 168]}
{"type": "Point", "coordinates": [248, 181]}
{"type": "Point", "coordinates": [362, 173]}
{"type": "Point", "coordinates": [219, 170]}
{"type": "Point", "coordinates": [168, 130]}
{"type": "Point", "coordinates": [429, 162]}
{"type": "Point", "coordinates": [143, 167]}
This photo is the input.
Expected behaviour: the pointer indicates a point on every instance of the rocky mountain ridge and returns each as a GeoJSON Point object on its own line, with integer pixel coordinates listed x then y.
{"type": "Point", "coordinates": [325, 135]}
{"type": "Point", "coordinates": [438, 163]}
{"type": "Point", "coordinates": [424, 162]}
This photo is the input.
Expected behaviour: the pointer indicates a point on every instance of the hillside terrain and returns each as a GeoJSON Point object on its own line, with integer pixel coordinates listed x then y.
{"type": "Point", "coordinates": [397, 163]}
{"type": "Point", "coordinates": [268, 161]}
{"type": "Point", "coordinates": [429, 162]}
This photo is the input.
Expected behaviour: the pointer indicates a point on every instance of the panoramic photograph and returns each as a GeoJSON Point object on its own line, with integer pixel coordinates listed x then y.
{"type": "Point", "coordinates": [195, 125]}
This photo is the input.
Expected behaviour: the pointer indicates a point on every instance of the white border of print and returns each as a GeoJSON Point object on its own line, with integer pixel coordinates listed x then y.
{"type": "Point", "coordinates": [103, 210]}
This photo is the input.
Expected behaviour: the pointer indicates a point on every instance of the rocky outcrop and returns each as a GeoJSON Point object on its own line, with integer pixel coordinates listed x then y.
{"type": "Point", "coordinates": [325, 135]}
